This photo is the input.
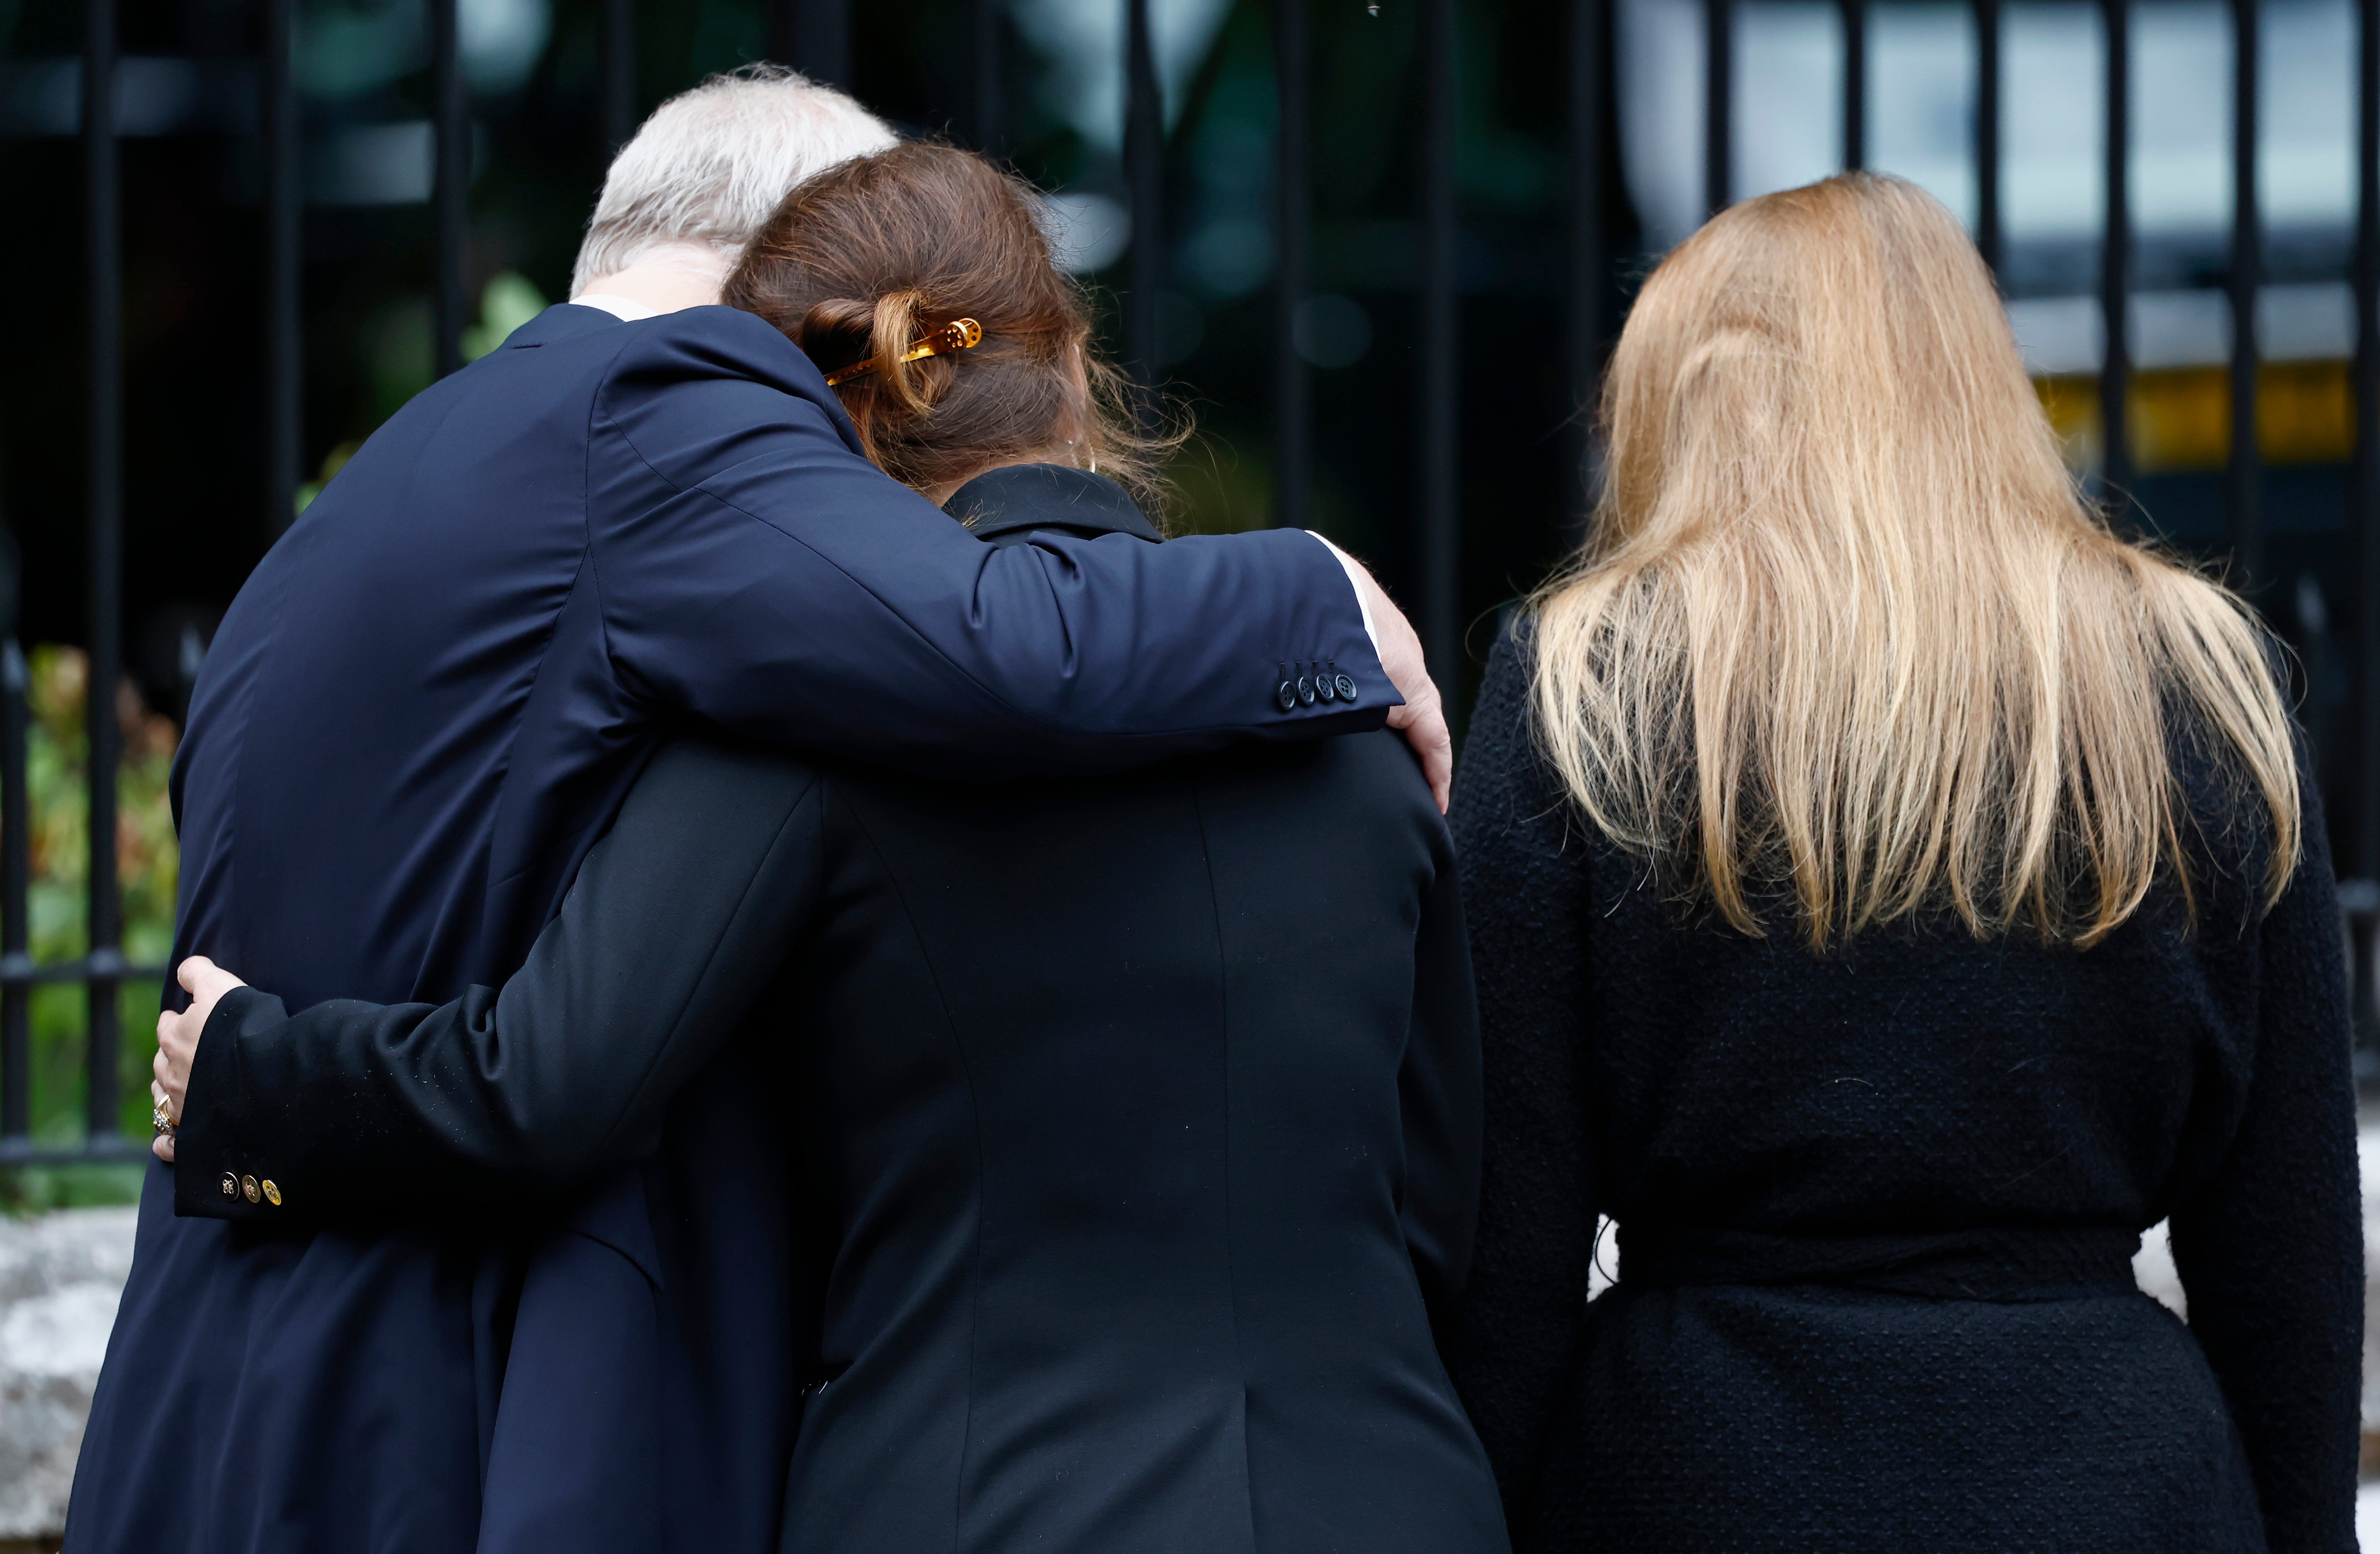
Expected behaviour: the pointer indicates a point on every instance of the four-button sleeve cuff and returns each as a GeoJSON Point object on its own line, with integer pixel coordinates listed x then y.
{"type": "Point", "coordinates": [1305, 685]}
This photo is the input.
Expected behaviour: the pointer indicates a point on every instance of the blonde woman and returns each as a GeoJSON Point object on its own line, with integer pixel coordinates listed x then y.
{"type": "Point", "coordinates": [1891, 891]}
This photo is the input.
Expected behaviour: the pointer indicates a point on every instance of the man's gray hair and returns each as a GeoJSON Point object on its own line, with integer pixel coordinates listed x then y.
{"type": "Point", "coordinates": [713, 162]}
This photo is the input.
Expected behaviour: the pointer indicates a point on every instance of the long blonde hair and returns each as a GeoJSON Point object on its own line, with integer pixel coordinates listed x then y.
{"type": "Point", "coordinates": [1844, 628]}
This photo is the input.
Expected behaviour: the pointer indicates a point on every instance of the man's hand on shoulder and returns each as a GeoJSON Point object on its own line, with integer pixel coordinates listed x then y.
{"type": "Point", "coordinates": [1422, 720]}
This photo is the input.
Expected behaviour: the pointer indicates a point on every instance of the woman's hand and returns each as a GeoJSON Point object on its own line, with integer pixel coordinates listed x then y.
{"type": "Point", "coordinates": [177, 1042]}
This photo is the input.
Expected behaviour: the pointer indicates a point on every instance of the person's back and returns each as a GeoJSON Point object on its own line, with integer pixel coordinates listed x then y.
{"type": "Point", "coordinates": [1138, 1116]}
{"type": "Point", "coordinates": [377, 704]}
{"type": "Point", "coordinates": [1881, 1208]}
{"type": "Point", "coordinates": [1893, 893]}
{"type": "Point", "coordinates": [404, 707]}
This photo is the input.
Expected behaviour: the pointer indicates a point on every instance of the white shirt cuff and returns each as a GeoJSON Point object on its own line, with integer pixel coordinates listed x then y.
{"type": "Point", "coordinates": [1363, 606]}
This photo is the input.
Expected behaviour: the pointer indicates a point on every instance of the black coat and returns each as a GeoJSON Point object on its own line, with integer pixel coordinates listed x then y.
{"type": "Point", "coordinates": [1134, 1123]}
{"type": "Point", "coordinates": [1875, 1212]}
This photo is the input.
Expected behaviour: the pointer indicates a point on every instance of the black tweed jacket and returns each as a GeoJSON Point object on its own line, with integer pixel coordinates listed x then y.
{"type": "Point", "coordinates": [1875, 1211]}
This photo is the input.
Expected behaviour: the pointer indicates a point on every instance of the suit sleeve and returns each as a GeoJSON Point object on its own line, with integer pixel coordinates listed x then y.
{"type": "Point", "coordinates": [1512, 1345]}
{"type": "Point", "coordinates": [676, 922]}
{"type": "Point", "coordinates": [756, 570]}
{"type": "Point", "coordinates": [2271, 1251]}
{"type": "Point", "coordinates": [1439, 1093]}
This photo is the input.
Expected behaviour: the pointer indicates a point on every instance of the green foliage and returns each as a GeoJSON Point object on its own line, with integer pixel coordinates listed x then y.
{"type": "Point", "coordinates": [146, 858]}
{"type": "Point", "coordinates": [332, 461]}
{"type": "Point", "coordinates": [401, 357]}
{"type": "Point", "coordinates": [509, 301]}
{"type": "Point", "coordinates": [39, 1189]}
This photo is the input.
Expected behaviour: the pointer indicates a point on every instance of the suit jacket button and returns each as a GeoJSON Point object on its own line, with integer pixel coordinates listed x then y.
{"type": "Point", "coordinates": [1305, 690]}
{"type": "Point", "coordinates": [230, 1185]}
{"type": "Point", "coordinates": [1347, 685]}
{"type": "Point", "coordinates": [247, 1188]}
{"type": "Point", "coordinates": [1324, 688]}
{"type": "Point", "coordinates": [272, 1193]}
{"type": "Point", "coordinates": [1287, 696]}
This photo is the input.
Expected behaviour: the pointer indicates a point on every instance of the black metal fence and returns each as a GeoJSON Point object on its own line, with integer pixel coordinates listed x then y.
{"type": "Point", "coordinates": [101, 969]}
{"type": "Point", "coordinates": [816, 36]}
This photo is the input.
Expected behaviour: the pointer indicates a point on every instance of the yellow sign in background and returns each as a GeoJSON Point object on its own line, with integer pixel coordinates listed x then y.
{"type": "Point", "coordinates": [2180, 417]}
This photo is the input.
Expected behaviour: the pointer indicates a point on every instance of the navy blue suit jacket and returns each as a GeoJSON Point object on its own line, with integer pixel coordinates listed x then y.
{"type": "Point", "coordinates": [422, 710]}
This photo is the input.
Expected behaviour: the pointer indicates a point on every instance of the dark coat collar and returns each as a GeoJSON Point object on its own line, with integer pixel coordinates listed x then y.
{"type": "Point", "coordinates": [999, 505]}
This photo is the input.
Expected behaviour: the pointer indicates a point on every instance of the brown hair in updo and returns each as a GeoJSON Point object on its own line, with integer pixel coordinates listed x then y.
{"type": "Point", "coordinates": [868, 258]}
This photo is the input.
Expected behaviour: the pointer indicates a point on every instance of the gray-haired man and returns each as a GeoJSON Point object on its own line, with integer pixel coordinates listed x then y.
{"type": "Point", "coordinates": [684, 197]}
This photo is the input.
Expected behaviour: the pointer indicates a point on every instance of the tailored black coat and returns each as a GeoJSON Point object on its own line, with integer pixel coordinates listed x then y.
{"type": "Point", "coordinates": [1094, 1153]}
{"type": "Point", "coordinates": [1876, 1210]}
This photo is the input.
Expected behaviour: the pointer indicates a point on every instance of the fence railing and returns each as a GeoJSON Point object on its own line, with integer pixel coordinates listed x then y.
{"type": "Point", "coordinates": [815, 36]}
{"type": "Point", "coordinates": [102, 968]}
{"type": "Point", "coordinates": [101, 971]}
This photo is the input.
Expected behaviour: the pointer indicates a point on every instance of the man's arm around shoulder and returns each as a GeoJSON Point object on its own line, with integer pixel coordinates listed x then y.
{"type": "Point", "coordinates": [755, 569]}
{"type": "Point", "coordinates": [676, 923]}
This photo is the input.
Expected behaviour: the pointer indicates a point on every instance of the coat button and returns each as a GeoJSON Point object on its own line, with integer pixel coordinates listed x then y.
{"type": "Point", "coordinates": [1305, 690]}
{"type": "Point", "coordinates": [247, 1188]}
{"type": "Point", "coordinates": [1347, 685]}
{"type": "Point", "coordinates": [1324, 688]}
{"type": "Point", "coordinates": [1287, 696]}
{"type": "Point", "coordinates": [230, 1185]}
{"type": "Point", "coordinates": [272, 1193]}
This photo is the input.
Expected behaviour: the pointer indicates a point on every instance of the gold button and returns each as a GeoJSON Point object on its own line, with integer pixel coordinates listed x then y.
{"type": "Point", "coordinates": [247, 1185]}
{"type": "Point", "coordinates": [272, 1193]}
{"type": "Point", "coordinates": [230, 1185]}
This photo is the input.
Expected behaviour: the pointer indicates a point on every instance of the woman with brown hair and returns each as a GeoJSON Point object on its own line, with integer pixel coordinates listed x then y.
{"type": "Point", "coordinates": [1022, 386]}
{"type": "Point", "coordinates": [1052, 1166]}
{"type": "Point", "coordinates": [1892, 890]}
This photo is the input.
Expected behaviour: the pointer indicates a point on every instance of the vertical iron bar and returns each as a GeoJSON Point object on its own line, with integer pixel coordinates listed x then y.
{"type": "Point", "coordinates": [814, 37]}
{"type": "Point", "coordinates": [1854, 84]}
{"type": "Point", "coordinates": [619, 57]}
{"type": "Point", "coordinates": [2247, 470]}
{"type": "Point", "coordinates": [1441, 550]}
{"type": "Point", "coordinates": [449, 182]}
{"type": "Point", "coordinates": [785, 32]}
{"type": "Point", "coordinates": [1987, 131]}
{"type": "Point", "coordinates": [2366, 497]}
{"type": "Point", "coordinates": [16, 865]}
{"type": "Point", "coordinates": [1718, 89]}
{"type": "Point", "coordinates": [1143, 154]}
{"type": "Point", "coordinates": [2115, 261]}
{"type": "Point", "coordinates": [991, 99]}
{"type": "Point", "coordinates": [284, 212]}
{"type": "Point", "coordinates": [1589, 261]}
{"type": "Point", "coordinates": [821, 41]}
{"type": "Point", "coordinates": [1292, 386]}
{"type": "Point", "coordinates": [101, 187]}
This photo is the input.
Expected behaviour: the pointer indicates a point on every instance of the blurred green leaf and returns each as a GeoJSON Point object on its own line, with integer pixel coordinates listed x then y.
{"type": "Point", "coordinates": [508, 302]}
{"type": "Point", "coordinates": [332, 461]}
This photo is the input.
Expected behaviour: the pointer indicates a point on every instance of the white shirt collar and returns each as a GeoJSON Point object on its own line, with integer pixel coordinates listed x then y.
{"type": "Point", "coordinates": [618, 307]}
